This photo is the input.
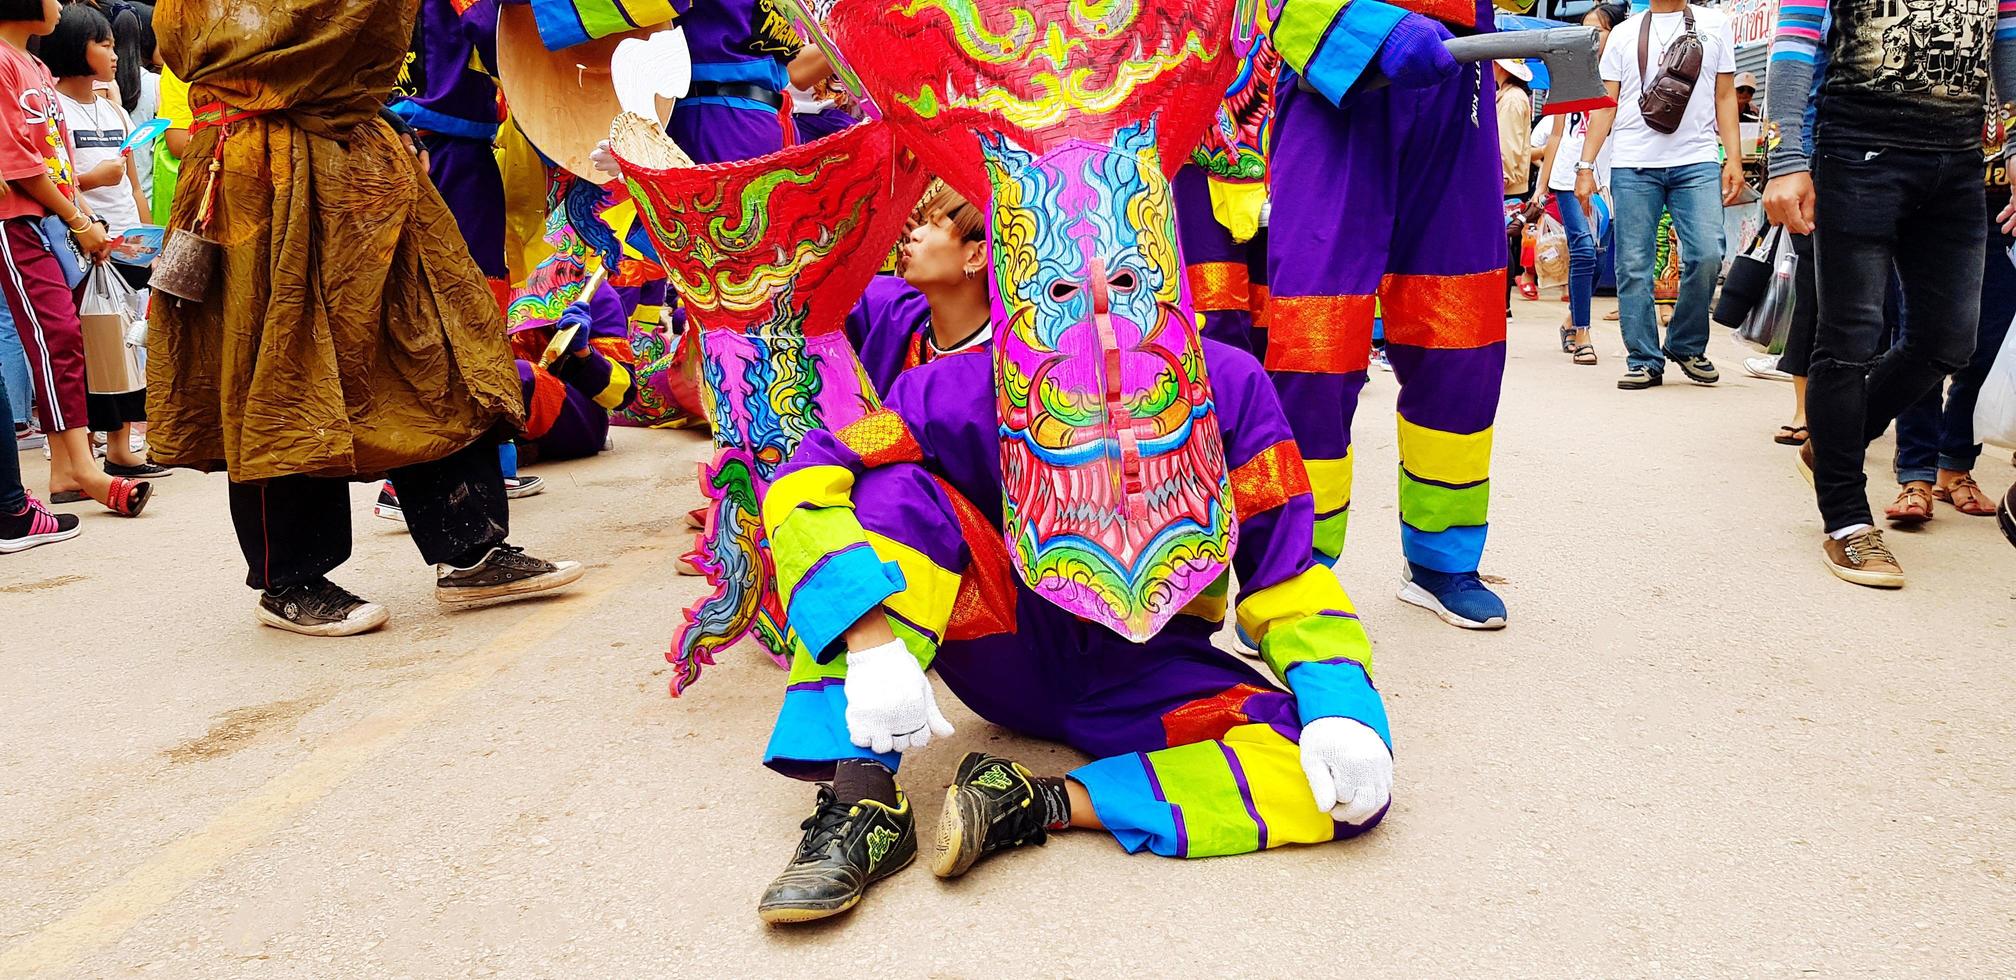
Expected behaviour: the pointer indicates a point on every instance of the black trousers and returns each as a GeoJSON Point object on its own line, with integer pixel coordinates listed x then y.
{"type": "Point", "coordinates": [296, 529]}
{"type": "Point", "coordinates": [1876, 207]}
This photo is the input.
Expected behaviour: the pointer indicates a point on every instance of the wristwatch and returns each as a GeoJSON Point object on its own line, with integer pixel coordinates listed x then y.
{"type": "Point", "coordinates": [1584, 166]}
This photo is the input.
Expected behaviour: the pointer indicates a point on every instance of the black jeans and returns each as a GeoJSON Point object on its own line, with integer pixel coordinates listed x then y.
{"type": "Point", "coordinates": [296, 529]}
{"type": "Point", "coordinates": [1920, 211]}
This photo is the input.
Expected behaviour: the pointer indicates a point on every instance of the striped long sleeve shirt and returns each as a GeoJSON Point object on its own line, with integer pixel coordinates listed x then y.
{"type": "Point", "coordinates": [1908, 74]}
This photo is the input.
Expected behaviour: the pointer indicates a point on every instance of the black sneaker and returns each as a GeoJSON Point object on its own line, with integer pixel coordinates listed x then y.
{"type": "Point", "coordinates": [520, 487]}
{"type": "Point", "coordinates": [320, 608]}
{"type": "Point", "coordinates": [36, 526]}
{"type": "Point", "coordinates": [144, 471]}
{"type": "Point", "coordinates": [846, 848]}
{"type": "Point", "coordinates": [387, 506]}
{"type": "Point", "coordinates": [992, 805]}
{"type": "Point", "coordinates": [1638, 379]}
{"type": "Point", "coordinates": [1699, 370]}
{"type": "Point", "coordinates": [504, 572]}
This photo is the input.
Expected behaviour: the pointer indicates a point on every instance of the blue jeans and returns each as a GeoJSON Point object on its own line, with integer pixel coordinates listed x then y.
{"type": "Point", "coordinates": [12, 496]}
{"type": "Point", "coordinates": [1937, 433]}
{"type": "Point", "coordinates": [1581, 257]}
{"type": "Point", "coordinates": [1693, 194]}
{"type": "Point", "coordinates": [14, 369]}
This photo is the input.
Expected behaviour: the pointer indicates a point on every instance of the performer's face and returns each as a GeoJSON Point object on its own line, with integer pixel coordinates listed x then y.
{"type": "Point", "coordinates": [935, 255]}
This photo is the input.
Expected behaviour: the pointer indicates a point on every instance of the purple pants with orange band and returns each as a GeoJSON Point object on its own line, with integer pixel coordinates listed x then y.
{"type": "Point", "coordinates": [1228, 279]}
{"type": "Point", "coordinates": [1394, 200]}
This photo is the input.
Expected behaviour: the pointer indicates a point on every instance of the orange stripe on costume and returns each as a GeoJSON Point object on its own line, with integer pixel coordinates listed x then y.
{"type": "Point", "coordinates": [1271, 478]}
{"type": "Point", "coordinates": [615, 348]}
{"type": "Point", "coordinates": [1445, 312]}
{"type": "Point", "coordinates": [549, 396]}
{"type": "Point", "coordinates": [1207, 719]}
{"type": "Point", "coordinates": [1320, 334]}
{"type": "Point", "coordinates": [1219, 286]}
{"type": "Point", "coordinates": [1261, 306]}
{"type": "Point", "coordinates": [985, 605]}
{"type": "Point", "coordinates": [1456, 13]}
{"type": "Point", "coordinates": [881, 439]}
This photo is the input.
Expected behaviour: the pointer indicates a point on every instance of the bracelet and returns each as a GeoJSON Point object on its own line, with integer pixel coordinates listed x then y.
{"type": "Point", "coordinates": [82, 223]}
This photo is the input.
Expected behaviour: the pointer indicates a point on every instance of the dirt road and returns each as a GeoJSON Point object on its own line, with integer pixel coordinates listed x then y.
{"type": "Point", "coordinates": [1694, 752]}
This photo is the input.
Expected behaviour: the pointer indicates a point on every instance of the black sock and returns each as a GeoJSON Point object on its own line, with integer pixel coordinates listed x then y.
{"type": "Point", "coordinates": [1056, 801]}
{"type": "Point", "coordinates": [855, 780]}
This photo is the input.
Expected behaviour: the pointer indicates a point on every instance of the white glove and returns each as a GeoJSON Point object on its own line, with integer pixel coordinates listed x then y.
{"type": "Point", "coordinates": [1349, 768]}
{"type": "Point", "coordinates": [890, 705]}
{"type": "Point", "coordinates": [603, 158]}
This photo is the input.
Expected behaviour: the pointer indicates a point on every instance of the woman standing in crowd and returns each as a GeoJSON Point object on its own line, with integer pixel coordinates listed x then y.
{"type": "Point", "coordinates": [1564, 147]}
{"type": "Point", "coordinates": [35, 162]}
{"type": "Point", "coordinates": [80, 54]}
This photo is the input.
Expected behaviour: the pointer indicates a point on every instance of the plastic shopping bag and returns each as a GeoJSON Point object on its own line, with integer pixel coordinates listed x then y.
{"type": "Point", "coordinates": [1770, 321]}
{"type": "Point", "coordinates": [1550, 253]}
{"type": "Point", "coordinates": [1995, 411]}
{"type": "Point", "coordinates": [105, 311]}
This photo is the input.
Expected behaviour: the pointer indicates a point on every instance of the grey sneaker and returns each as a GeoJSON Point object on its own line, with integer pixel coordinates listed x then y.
{"type": "Point", "coordinates": [1699, 370]}
{"type": "Point", "coordinates": [320, 608]}
{"type": "Point", "coordinates": [503, 573]}
{"type": "Point", "coordinates": [1638, 379]}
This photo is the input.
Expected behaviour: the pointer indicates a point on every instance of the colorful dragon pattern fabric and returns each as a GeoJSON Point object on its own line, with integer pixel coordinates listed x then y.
{"type": "Point", "coordinates": [768, 255]}
{"type": "Point", "coordinates": [1069, 116]}
{"type": "Point", "coordinates": [1235, 145]}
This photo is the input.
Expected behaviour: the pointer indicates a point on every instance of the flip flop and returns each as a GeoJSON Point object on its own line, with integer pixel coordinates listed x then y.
{"type": "Point", "coordinates": [69, 497]}
{"type": "Point", "coordinates": [129, 497]}
{"type": "Point", "coordinates": [1977, 502]}
{"type": "Point", "coordinates": [1790, 435]}
{"type": "Point", "coordinates": [1912, 508]}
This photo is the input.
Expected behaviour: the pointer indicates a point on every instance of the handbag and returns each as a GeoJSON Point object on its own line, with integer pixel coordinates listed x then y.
{"type": "Point", "coordinates": [1663, 102]}
{"type": "Point", "coordinates": [1770, 322]}
{"type": "Point", "coordinates": [105, 314]}
{"type": "Point", "coordinates": [1749, 277]}
{"type": "Point", "coordinates": [62, 244]}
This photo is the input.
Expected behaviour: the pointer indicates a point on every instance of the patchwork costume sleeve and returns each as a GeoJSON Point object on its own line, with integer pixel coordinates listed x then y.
{"type": "Point", "coordinates": [606, 374]}
{"type": "Point", "coordinates": [1802, 30]}
{"type": "Point", "coordinates": [1331, 43]}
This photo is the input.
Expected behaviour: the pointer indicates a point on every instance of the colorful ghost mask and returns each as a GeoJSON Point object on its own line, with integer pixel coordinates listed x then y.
{"type": "Point", "coordinates": [1069, 118]}
{"type": "Point", "coordinates": [768, 256]}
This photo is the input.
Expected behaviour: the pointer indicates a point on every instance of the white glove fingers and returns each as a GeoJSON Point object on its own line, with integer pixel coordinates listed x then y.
{"type": "Point", "coordinates": [1320, 782]}
{"type": "Point", "coordinates": [935, 718]}
{"type": "Point", "coordinates": [1363, 806]}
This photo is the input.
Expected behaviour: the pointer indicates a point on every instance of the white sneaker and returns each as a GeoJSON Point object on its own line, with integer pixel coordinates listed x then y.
{"type": "Point", "coordinates": [1765, 367]}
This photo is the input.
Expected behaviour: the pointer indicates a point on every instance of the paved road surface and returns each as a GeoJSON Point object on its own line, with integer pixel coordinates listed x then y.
{"type": "Point", "coordinates": [1693, 754]}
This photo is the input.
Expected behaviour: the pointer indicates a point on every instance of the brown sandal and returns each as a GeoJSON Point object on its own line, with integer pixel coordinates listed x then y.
{"type": "Point", "coordinates": [1585, 354]}
{"type": "Point", "coordinates": [1913, 506]}
{"type": "Point", "coordinates": [1790, 435]}
{"type": "Point", "coordinates": [1967, 497]}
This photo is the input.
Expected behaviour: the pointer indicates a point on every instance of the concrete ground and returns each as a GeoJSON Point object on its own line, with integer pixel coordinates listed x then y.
{"type": "Point", "coordinates": [1694, 753]}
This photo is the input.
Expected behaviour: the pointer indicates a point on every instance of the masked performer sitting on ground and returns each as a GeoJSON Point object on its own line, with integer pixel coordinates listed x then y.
{"type": "Point", "coordinates": [344, 332]}
{"type": "Point", "coordinates": [937, 303]}
{"type": "Point", "coordinates": [899, 538]}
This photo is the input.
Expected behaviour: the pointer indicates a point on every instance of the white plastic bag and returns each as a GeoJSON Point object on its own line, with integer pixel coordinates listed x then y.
{"type": "Point", "coordinates": [1550, 252]}
{"type": "Point", "coordinates": [105, 316]}
{"type": "Point", "coordinates": [1995, 411]}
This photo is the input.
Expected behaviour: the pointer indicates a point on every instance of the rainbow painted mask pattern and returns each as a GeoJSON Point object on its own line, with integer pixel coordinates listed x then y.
{"type": "Point", "coordinates": [1235, 144]}
{"type": "Point", "coordinates": [1116, 501]}
{"type": "Point", "coordinates": [768, 256]}
{"type": "Point", "coordinates": [1113, 468]}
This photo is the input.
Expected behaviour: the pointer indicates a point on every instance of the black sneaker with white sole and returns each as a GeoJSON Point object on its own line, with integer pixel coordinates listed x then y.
{"type": "Point", "coordinates": [1699, 370]}
{"type": "Point", "coordinates": [320, 608]}
{"type": "Point", "coordinates": [846, 848]}
{"type": "Point", "coordinates": [503, 573]}
{"type": "Point", "coordinates": [519, 487]}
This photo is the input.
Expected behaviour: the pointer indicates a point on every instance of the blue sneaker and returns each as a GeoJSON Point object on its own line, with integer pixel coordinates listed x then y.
{"type": "Point", "coordinates": [1460, 598]}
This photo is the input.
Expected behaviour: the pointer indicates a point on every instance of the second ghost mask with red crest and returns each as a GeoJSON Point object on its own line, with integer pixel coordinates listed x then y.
{"type": "Point", "coordinates": [1069, 118]}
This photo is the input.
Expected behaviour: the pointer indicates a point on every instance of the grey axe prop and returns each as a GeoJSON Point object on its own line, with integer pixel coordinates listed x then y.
{"type": "Point", "coordinates": [1570, 54]}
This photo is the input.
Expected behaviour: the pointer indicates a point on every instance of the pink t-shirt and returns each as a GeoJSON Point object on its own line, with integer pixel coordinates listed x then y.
{"type": "Point", "coordinates": [33, 139]}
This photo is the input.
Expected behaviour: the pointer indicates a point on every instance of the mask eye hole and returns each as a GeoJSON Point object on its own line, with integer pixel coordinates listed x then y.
{"type": "Point", "coordinates": [1123, 282]}
{"type": "Point", "coordinates": [1063, 292]}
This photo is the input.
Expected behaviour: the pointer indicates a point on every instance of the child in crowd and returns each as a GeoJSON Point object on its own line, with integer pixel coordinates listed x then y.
{"type": "Point", "coordinates": [36, 164]}
{"type": "Point", "coordinates": [80, 54]}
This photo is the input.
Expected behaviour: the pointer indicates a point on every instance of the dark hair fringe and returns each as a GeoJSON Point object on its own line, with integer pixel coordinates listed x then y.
{"type": "Point", "coordinates": [20, 9]}
{"type": "Point", "coordinates": [63, 50]}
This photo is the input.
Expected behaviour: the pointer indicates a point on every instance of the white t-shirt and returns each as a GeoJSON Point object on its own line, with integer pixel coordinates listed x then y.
{"type": "Point", "coordinates": [1637, 145]}
{"type": "Point", "coordinates": [1574, 132]}
{"type": "Point", "coordinates": [97, 130]}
